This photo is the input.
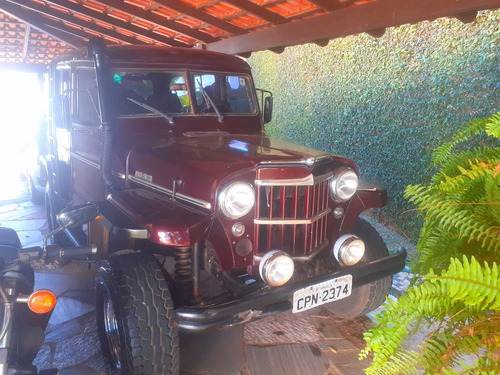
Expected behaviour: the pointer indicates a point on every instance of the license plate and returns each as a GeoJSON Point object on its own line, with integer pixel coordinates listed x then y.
{"type": "Point", "coordinates": [321, 293]}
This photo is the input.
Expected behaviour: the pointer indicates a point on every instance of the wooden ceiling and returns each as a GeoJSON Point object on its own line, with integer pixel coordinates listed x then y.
{"type": "Point", "coordinates": [33, 32]}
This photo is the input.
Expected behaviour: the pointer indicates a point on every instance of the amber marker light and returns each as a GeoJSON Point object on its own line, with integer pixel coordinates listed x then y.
{"type": "Point", "coordinates": [42, 301]}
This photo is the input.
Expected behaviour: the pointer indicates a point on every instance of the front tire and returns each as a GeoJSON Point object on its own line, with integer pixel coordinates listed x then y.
{"type": "Point", "coordinates": [36, 196]}
{"type": "Point", "coordinates": [369, 296]}
{"type": "Point", "coordinates": [135, 316]}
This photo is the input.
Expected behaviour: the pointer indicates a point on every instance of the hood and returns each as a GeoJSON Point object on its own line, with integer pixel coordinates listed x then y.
{"type": "Point", "coordinates": [202, 161]}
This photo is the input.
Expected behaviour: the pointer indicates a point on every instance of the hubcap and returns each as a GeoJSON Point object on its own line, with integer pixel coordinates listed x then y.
{"type": "Point", "coordinates": [111, 327]}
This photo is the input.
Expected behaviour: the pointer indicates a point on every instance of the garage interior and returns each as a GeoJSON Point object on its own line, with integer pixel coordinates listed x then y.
{"type": "Point", "coordinates": [33, 32]}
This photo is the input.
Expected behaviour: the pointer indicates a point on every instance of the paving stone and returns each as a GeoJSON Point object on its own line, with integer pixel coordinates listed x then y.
{"type": "Point", "coordinates": [345, 357]}
{"type": "Point", "coordinates": [327, 328]}
{"type": "Point", "coordinates": [85, 345]}
{"type": "Point", "coordinates": [69, 308]}
{"type": "Point", "coordinates": [290, 359]}
{"type": "Point", "coordinates": [282, 328]}
{"type": "Point", "coordinates": [43, 359]}
{"type": "Point", "coordinates": [64, 331]}
{"type": "Point", "coordinates": [24, 225]}
{"type": "Point", "coordinates": [336, 345]}
{"type": "Point", "coordinates": [217, 352]}
{"type": "Point", "coordinates": [96, 363]}
{"type": "Point", "coordinates": [353, 368]}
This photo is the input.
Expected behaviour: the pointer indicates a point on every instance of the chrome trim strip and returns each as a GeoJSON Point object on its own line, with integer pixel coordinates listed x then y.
{"type": "Point", "coordinates": [293, 221]}
{"type": "Point", "coordinates": [301, 258]}
{"type": "Point", "coordinates": [95, 165]}
{"type": "Point", "coordinates": [185, 198]}
{"type": "Point", "coordinates": [309, 161]}
{"type": "Point", "coordinates": [83, 160]}
{"type": "Point", "coordinates": [306, 181]}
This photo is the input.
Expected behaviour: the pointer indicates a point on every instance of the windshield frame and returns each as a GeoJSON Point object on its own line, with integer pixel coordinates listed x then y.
{"type": "Point", "coordinates": [248, 77]}
{"type": "Point", "coordinates": [188, 75]}
{"type": "Point", "coordinates": [183, 72]}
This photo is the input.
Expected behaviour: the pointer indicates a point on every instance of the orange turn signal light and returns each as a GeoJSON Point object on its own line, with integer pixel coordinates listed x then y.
{"type": "Point", "coordinates": [42, 301]}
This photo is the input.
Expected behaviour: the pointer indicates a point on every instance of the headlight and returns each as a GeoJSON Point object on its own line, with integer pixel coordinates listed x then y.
{"type": "Point", "coordinates": [344, 184]}
{"type": "Point", "coordinates": [276, 268]}
{"type": "Point", "coordinates": [348, 249]}
{"type": "Point", "coordinates": [237, 200]}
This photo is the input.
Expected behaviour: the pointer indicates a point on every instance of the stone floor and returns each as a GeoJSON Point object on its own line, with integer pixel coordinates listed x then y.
{"type": "Point", "coordinates": [314, 342]}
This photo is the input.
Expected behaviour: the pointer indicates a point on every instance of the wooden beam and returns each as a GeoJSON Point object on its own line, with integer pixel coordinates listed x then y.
{"type": "Point", "coordinates": [76, 21]}
{"type": "Point", "coordinates": [35, 20]}
{"type": "Point", "coordinates": [78, 8]}
{"type": "Point", "coordinates": [190, 11]}
{"type": "Point", "coordinates": [329, 5]}
{"type": "Point", "coordinates": [159, 20]}
{"type": "Point", "coordinates": [467, 17]}
{"type": "Point", "coordinates": [349, 21]}
{"type": "Point", "coordinates": [259, 11]}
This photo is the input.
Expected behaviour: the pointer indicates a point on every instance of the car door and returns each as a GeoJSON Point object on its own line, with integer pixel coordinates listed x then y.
{"type": "Point", "coordinates": [85, 131]}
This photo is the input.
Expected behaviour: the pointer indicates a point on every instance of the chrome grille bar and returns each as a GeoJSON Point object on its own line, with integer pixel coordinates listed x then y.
{"type": "Point", "coordinates": [293, 218]}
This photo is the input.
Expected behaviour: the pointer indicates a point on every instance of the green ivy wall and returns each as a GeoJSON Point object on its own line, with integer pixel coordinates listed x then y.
{"type": "Point", "coordinates": [386, 102]}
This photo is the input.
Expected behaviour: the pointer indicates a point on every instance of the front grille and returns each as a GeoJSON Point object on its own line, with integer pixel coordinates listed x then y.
{"type": "Point", "coordinates": [292, 218]}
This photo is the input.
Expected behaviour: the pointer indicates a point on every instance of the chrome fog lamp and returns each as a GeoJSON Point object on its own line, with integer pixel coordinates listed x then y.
{"type": "Point", "coordinates": [348, 249]}
{"type": "Point", "coordinates": [344, 184]}
{"type": "Point", "coordinates": [276, 268]}
{"type": "Point", "coordinates": [237, 199]}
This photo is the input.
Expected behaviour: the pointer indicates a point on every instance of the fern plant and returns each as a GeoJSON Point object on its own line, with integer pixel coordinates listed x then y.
{"type": "Point", "coordinates": [456, 289]}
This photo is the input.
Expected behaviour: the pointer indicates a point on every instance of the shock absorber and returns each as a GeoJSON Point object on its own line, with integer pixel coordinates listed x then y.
{"type": "Point", "coordinates": [183, 273]}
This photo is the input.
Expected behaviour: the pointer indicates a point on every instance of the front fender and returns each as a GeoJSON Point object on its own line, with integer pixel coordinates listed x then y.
{"type": "Point", "coordinates": [366, 197]}
{"type": "Point", "coordinates": [159, 219]}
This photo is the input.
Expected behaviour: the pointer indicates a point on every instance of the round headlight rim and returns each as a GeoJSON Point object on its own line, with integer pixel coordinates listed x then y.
{"type": "Point", "coordinates": [341, 246]}
{"type": "Point", "coordinates": [333, 183]}
{"type": "Point", "coordinates": [223, 195]}
{"type": "Point", "coordinates": [265, 262]}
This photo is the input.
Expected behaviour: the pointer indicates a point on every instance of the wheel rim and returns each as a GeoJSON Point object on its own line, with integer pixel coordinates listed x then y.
{"type": "Point", "coordinates": [111, 328]}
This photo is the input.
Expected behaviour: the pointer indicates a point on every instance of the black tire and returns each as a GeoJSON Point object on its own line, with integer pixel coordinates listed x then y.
{"type": "Point", "coordinates": [135, 316]}
{"type": "Point", "coordinates": [370, 296]}
{"type": "Point", "coordinates": [36, 196]}
{"type": "Point", "coordinates": [51, 211]}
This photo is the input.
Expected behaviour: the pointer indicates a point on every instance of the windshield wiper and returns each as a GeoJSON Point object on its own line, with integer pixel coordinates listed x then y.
{"type": "Point", "coordinates": [166, 116]}
{"type": "Point", "coordinates": [208, 100]}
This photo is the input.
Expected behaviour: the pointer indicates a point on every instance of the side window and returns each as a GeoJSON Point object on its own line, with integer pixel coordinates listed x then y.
{"type": "Point", "coordinates": [239, 95]}
{"type": "Point", "coordinates": [85, 111]}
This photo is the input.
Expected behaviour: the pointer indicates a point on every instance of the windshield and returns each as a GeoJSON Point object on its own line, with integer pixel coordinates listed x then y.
{"type": "Point", "coordinates": [229, 93]}
{"type": "Point", "coordinates": [165, 91]}
{"type": "Point", "coordinates": [169, 93]}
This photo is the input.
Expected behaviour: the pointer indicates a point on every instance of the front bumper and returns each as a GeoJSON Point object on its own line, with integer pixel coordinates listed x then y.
{"type": "Point", "coordinates": [267, 301]}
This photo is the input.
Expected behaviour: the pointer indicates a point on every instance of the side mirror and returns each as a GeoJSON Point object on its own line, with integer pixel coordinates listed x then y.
{"type": "Point", "coordinates": [77, 215]}
{"type": "Point", "coordinates": [72, 217]}
{"type": "Point", "coordinates": [268, 109]}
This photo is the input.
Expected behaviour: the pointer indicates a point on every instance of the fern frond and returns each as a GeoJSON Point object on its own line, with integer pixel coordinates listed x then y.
{"type": "Point", "coordinates": [472, 283]}
{"type": "Point", "coordinates": [493, 126]}
{"type": "Point", "coordinates": [464, 287]}
{"type": "Point", "coordinates": [460, 301]}
{"type": "Point", "coordinates": [442, 152]}
{"type": "Point", "coordinates": [400, 363]}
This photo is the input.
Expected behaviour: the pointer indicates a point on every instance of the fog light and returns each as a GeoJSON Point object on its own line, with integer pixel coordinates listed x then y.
{"type": "Point", "coordinates": [238, 229]}
{"type": "Point", "coordinates": [338, 212]}
{"type": "Point", "coordinates": [276, 268]}
{"type": "Point", "coordinates": [348, 250]}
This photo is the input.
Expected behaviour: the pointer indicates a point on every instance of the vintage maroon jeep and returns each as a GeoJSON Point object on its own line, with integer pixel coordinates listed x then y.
{"type": "Point", "coordinates": [204, 221]}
